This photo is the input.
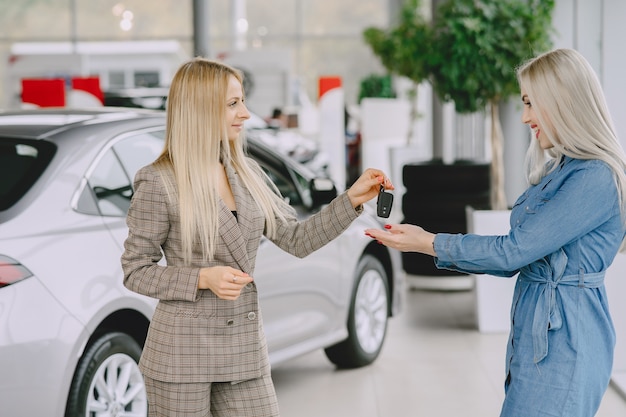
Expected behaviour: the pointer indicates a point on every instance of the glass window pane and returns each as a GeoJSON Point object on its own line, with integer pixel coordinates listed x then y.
{"type": "Point", "coordinates": [139, 150]}
{"type": "Point", "coordinates": [133, 19]}
{"type": "Point", "coordinates": [21, 164]}
{"type": "Point", "coordinates": [285, 185]}
{"type": "Point", "coordinates": [35, 20]}
{"type": "Point", "coordinates": [147, 79]}
{"type": "Point", "coordinates": [219, 22]}
{"type": "Point", "coordinates": [287, 24]}
{"type": "Point", "coordinates": [320, 17]}
{"type": "Point", "coordinates": [117, 79]}
{"type": "Point", "coordinates": [272, 18]}
{"type": "Point", "coordinates": [111, 186]}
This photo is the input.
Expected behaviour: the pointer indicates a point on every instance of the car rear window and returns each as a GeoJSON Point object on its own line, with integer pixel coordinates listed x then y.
{"type": "Point", "coordinates": [21, 164]}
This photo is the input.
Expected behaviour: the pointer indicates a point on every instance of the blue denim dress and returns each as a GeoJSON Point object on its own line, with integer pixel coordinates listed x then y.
{"type": "Point", "coordinates": [565, 232]}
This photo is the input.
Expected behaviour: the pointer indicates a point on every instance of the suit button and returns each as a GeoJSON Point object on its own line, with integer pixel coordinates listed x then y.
{"type": "Point", "coordinates": [230, 322]}
{"type": "Point", "coordinates": [251, 315]}
{"type": "Point", "coordinates": [249, 285]}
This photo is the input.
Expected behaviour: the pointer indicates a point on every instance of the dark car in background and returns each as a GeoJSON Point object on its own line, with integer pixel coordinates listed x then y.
{"type": "Point", "coordinates": [70, 332]}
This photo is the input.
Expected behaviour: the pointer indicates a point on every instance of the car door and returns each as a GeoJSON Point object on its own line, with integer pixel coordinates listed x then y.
{"type": "Point", "coordinates": [299, 298]}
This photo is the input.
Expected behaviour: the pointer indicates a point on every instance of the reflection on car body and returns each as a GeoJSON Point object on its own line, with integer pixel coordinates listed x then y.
{"type": "Point", "coordinates": [71, 334]}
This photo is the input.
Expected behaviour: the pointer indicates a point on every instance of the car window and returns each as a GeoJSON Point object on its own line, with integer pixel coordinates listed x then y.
{"type": "Point", "coordinates": [284, 184]}
{"type": "Point", "coordinates": [139, 150]}
{"type": "Point", "coordinates": [304, 186]}
{"type": "Point", "coordinates": [111, 186]}
{"type": "Point", "coordinates": [110, 182]}
{"type": "Point", "coordinates": [21, 164]}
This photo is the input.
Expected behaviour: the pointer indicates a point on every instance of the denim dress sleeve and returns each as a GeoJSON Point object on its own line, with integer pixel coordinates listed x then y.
{"type": "Point", "coordinates": [570, 202]}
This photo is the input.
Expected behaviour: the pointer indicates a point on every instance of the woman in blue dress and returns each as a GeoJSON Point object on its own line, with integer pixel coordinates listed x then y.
{"type": "Point", "coordinates": [566, 229]}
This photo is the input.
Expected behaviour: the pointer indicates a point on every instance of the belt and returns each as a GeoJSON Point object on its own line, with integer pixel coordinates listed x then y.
{"type": "Point", "coordinates": [547, 315]}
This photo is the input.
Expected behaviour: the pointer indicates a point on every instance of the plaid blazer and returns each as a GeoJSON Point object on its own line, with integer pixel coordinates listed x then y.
{"type": "Point", "coordinates": [194, 336]}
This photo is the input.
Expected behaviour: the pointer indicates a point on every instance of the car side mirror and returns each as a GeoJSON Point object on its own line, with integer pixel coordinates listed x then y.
{"type": "Point", "coordinates": [323, 191]}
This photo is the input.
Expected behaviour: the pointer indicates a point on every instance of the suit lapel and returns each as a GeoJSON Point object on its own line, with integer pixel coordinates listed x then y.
{"type": "Point", "coordinates": [234, 230]}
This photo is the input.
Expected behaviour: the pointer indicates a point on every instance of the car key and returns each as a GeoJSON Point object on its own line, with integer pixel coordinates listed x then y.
{"type": "Point", "coordinates": [384, 203]}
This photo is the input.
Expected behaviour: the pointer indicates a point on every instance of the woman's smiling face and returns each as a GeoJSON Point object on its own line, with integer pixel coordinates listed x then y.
{"type": "Point", "coordinates": [236, 112]}
{"type": "Point", "coordinates": [529, 117]}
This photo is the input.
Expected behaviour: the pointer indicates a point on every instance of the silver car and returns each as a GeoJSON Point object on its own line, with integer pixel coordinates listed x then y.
{"type": "Point", "coordinates": [71, 334]}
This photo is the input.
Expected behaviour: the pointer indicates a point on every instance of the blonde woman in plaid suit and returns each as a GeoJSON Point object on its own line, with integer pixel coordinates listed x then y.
{"type": "Point", "coordinates": [205, 206]}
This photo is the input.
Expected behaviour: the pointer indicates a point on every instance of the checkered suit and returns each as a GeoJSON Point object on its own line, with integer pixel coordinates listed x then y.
{"type": "Point", "coordinates": [194, 336]}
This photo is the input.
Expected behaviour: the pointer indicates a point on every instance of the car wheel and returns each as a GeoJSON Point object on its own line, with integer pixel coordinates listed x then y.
{"type": "Point", "coordinates": [367, 318]}
{"type": "Point", "coordinates": [107, 380]}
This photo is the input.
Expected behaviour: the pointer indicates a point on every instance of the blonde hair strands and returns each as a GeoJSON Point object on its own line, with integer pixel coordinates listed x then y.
{"type": "Point", "coordinates": [570, 105]}
{"type": "Point", "coordinates": [196, 142]}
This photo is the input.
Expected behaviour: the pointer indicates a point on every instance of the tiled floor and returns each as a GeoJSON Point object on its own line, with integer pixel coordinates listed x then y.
{"type": "Point", "coordinates": [434, 363]}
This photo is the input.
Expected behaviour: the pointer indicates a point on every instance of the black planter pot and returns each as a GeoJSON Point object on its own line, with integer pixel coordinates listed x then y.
{"type": "Point", "coordinates": [436, 197]}
{"type": "Point", "coordinates": [435, 177]}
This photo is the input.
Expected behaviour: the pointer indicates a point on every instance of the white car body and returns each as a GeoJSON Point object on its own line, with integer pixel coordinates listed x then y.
{"type": "Point", "coordinates": [49, 320]}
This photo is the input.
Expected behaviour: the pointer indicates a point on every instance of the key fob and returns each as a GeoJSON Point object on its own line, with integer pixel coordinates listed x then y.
{"type": "Point", "coordinates": [384, 203]}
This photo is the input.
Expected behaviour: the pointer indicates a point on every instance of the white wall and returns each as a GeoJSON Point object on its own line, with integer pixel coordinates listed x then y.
{"type": "Point", "coordinates": [596, 29]}
{"type": "Point", "coordinates": [613, 61]}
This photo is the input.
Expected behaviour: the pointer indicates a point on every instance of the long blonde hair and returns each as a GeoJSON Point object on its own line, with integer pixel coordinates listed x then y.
{"type": "Point", "coordinates": [568, 101]}
{"type": "Point", "coordinates": [196, 141]}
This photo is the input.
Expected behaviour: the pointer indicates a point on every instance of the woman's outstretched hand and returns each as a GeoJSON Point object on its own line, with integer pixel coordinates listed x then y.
{"type": "Point", "coordinates": [404, 237]}
{"type": "Point", "coordinates": [367, 186]}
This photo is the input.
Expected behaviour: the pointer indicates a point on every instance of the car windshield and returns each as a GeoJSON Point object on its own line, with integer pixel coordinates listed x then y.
{"type": "Point", "coordinates": [21, 164]}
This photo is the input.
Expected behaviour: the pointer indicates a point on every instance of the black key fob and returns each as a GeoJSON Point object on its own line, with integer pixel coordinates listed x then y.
{"type": "Point", "coordinates": [384, 203]}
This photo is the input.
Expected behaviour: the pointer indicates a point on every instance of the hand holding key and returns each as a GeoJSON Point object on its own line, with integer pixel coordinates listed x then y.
{"type": "Point", "coordinates": [367, 186]}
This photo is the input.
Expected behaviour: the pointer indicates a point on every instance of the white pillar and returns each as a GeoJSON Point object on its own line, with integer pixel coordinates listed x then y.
{"type": "Point", "coordinates": [332, 135]}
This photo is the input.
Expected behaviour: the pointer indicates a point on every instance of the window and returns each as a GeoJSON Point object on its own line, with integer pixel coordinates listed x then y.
{"type": "Point", "coordinates": [117, 79]}
{"type": "Point", "coordinates": [284, 184]}
{"type": "Point", "coordinates": [139, 150]}
{"type": "Point", "coordinates": [110, 182]}
{"type": "Point", "coordinates": [111, 186]}
{"type": "Point", "coordinates": [21, 164]}
{"type": "Point", "coordinates": [146, 79]}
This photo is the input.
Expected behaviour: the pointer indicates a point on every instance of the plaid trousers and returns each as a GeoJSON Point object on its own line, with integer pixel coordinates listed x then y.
{"type": "Point", "coordinates": [252, 398]}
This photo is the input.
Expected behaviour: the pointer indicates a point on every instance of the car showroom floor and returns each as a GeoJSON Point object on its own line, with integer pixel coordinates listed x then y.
{"type": "Point", "coordinates": [434, 363]}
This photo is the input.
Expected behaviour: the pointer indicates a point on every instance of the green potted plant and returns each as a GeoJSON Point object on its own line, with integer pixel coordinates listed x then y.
{"type": "Point", "coordinates": [404, 50]}
{"type": "Point", "coordinates": [478, 44]}
{"type": "Point", "coordinates": [429, 192]}
{"type": "Point", "coordinates": [376, 85]}
{"type": "Point", "coordinates": [476, 47]}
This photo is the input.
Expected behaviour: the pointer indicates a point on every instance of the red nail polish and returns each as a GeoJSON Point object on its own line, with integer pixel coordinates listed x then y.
{"type": "Point", "coordinates": [387, 226]}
